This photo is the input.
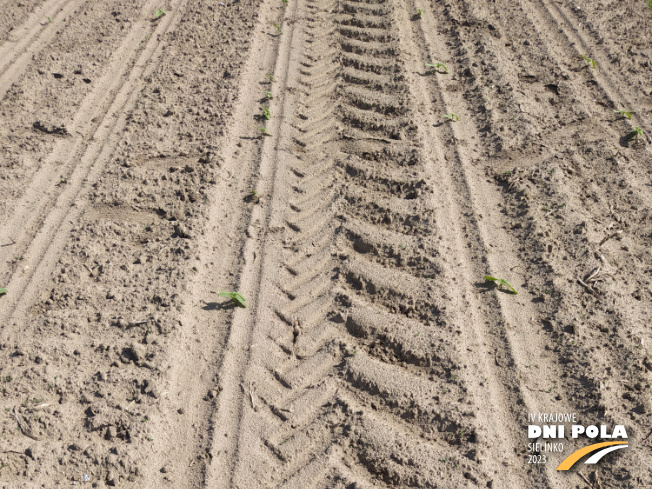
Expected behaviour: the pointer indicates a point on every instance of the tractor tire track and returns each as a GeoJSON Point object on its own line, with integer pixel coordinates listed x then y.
{"type": "Point", "coordinates": [622, 92]}
{"type": "Point", "coordinates": [505, 329]}
{"type": "Point", "coordinates": [30, 38]}
{"type": "Point", "coordinates": [168, 408]}
{"type": "Point", "coordinates": [600, 87]}
{"type": "Point", "coordinates": [26, 213]}
{"type": "Point", "coordinates": [621, 185]}
{"type": "Point", "coordinates": [316, 396]}
{"type": "Point", "coordinates": [43, 216]}
{"type": "Point", "coordinates": [23, 18]}
{"type": "Point", "coordinates": [205, 423]}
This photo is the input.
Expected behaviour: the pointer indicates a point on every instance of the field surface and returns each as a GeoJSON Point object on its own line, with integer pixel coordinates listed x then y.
{"type": "Point", "coordinates": [304, 155]}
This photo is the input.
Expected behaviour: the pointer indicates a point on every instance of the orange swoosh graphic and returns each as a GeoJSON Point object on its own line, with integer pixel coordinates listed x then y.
{"type": "Point", "coordinates": [575, 456]}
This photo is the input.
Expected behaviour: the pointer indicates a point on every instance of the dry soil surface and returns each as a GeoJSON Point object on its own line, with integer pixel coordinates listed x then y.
{"type": "Point", "coordinates": [299, 153]}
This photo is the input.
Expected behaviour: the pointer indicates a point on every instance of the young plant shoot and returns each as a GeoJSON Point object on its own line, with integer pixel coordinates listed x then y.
{"type": "Point", "coordinates": [236, 298]}
{"type": "Point", "coordinates": [500, 282]}
{"type": "Point", "coordinates": [437, 67]}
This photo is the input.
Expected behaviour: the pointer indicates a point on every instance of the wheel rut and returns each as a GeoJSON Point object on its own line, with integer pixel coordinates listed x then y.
{"type": "Point", "coordinates": [46, 210]}
{"type": "Point", "coordinates": [30, 38]}
{"type": "Point", "coordinates": [351, 351]}
{"type": "Point", "coordinates": [149, 424]}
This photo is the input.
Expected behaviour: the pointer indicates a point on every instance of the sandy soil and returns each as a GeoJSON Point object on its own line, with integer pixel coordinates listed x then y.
{"type": "Point", "coordinates": [299, 153]}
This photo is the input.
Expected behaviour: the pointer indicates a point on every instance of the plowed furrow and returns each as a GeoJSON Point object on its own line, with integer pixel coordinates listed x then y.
{"type": "Point", "coordinates": [576, 95]}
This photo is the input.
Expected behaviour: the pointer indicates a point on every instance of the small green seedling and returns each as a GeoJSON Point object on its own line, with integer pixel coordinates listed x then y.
{"type": "Point", "coordinates": [634, 134]}
{"type": "Point", "coordinates": [253, 197]}
{"type": "Point", "coordinates": [278, 28]}
{"type": "Point", "coordinates": [589, 60]}
{"type": "Point", "coordinates": [236, 298]}
{"type": "Point", "coordinates": [50, 19]}
{"type": "Point", "coordinates": [437, 67]}
{"type": "Point", "coordinates": [266, 113]}
{"type": "Point", "coordinates": [3, 292]}
{"type": "Point", "coordinates": [625, 113]}
{"type": "Point", "coordinates": [500, 282]}
{"type": "Point", "coordinates": [263, 131]}
{"type": "Point", "coordinates": [286, 1]}
{"type": "Point", "coordinates": [269, 95]}
{"type": "Point", "coordinates": [452, 117]}
{"type": "Point", "coordinates": [159, 13]}
{"type": "Point", "coordinates": [271, 77]}
{"type": "Point", "coordinates": [419, 13]}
